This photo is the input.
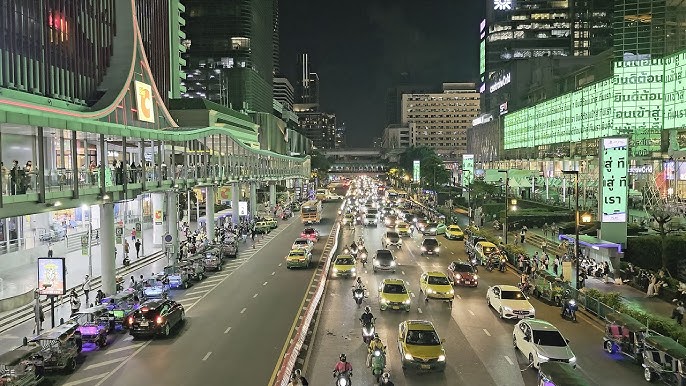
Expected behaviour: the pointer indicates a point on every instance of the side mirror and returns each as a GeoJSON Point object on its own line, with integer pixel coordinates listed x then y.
{"type": "Point", "coordinates": [527, 338]}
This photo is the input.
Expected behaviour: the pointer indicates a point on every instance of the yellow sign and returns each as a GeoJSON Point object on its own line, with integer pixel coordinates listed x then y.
{"type": "Point", "coordinates": [144, 102]}
{"type": "Point", "coordinates": [158, 217]}
{"type": "Point", "coordinates": [223, 194]}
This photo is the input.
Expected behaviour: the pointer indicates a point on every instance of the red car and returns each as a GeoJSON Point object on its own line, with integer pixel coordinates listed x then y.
{"type": "Point", "coordinates": [310, 233]}
{"type": "Point", "coordinates": [463, 273]}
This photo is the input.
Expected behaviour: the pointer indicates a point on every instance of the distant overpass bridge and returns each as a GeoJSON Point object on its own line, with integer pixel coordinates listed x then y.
{"type": "Point", "coordinates": [358, 167]}
{"type": "Point", "coordinates": [356, 160]}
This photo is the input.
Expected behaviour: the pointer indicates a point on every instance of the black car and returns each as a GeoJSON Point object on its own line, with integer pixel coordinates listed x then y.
{"type": "Point", "coordinates": [384, 261]}
{"type": "Point", "coordinates": [430, 246]}
{"type": "Point", "coordinates": [156, 317]}
{"type": "Point", "coordinates": [391, 238]}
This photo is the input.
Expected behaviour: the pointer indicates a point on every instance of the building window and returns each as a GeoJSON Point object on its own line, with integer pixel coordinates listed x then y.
{"type": "Point", "coordinates": [59, 27]}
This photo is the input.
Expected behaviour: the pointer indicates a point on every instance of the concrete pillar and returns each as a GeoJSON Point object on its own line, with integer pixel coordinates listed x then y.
{"type": "Point", "coordinates": [173, 225]}
{"type": "Point", "coordinates": [235, 194]}
{"type": "Point", "coordinates": [107, 264]}
{"type": "Point", "coordinates": [253, 199]}
{"type": "Point", "coordinates": [157, 200]}
{"type": "Point", "coordinates": [209, 212]}
{"type": "Point", "coordinates": [272, 194]}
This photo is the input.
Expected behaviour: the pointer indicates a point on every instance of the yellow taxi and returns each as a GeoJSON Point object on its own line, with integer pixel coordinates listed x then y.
{"type": "Point", "coordinates": [271, 222]}
{"type": "Point", "coordinates": [402, 228]}
{"type": "Point", "coordinates": [436, 285]}
{"type": "Point", "coordinates": [454, 232]}
{"type": "Point", "coordinates": [393, 294]}
{"type": "Point", "coordinates": [298, 258]}
{"type": "Point", "coordinates": [348, 219]}
{"type": "Point", "coordinates": [420, 347]}
{"type": "Point", "coordinates": [344, 265]}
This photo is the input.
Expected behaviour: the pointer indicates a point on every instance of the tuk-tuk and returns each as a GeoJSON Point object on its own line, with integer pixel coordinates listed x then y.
{"type": "Point", "coordinates": [58, 348]}
{"type": "Point", "coordinates": [560, 374]}
{"type": "Point", "coordinates": [155, 288]}
{"type": "Point", "coordinates": [212, 260]}
{"type": "Point", "coordinates": [177, 277]}
{"type": "Point", "coordinates": [17, 367]}
{"type": "Point", "coordinates": [664, 359]}
{"type": "Point", "coordinates": [194, 267]}
{"type": "Point", "coordinates": [230, 250]}
{"type": "Point", "coordinates": [93, 324]}
{"type": "Point", "coordinates": [547, 286]}
{"type": "Point", "coordinates": [625, 335]}
{"type": "Point", "coordinates": [120, 305]}
{"type": "Point", "coordinates": [272, 223]}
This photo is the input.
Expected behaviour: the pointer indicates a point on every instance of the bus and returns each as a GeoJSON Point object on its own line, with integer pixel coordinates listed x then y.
{"type": "Point", "coordinates": [311, 212]}
{"type": "Point", "coordinates": [391, 195]}
{"type": "Point", "coordinates": [321, 194]}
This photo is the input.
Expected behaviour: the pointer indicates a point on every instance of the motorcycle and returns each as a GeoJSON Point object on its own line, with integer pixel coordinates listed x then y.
{"type": "Point", "coordinates": [378, 363]}
{"type": "Point", "coordinates": [368, 331]}
{"type": "Point", "coordinates": [363, 257]}
{"type": "Point", "coordinates": [343, 379]}
{"type": "Point", "coordinates": [358, 295]}
{"type": "Point", "coordinates": [569, 308]}
{"type": "Point", "coordinates": [126, 262]}
{"type": "Point", "coordinates": [526, 287]}
{"type": "Point", "coordinates": [503, 264]}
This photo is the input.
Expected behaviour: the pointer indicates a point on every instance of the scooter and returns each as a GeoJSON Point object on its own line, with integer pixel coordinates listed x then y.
{"type": "Point", "coordinates": [569, 308]}
{"type": "Point", "coordinates": [358, 295]}
{"type": "Point", "coordinates": [363, 257]}
{"type": "Point", "coordinates": [343, 379]}
{"type": "Point", "coordinates": [126, 262]}
{"type": "Point", "coordinates": [368, 332]}
{"type": "Point", "coordinates": [503, 264]}
{"type": "Point", "coordinates": [378, 363]}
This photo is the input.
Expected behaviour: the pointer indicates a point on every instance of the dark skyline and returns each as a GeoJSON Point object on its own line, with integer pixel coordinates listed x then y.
{"type": "Point", "coordinates": [360, 48]}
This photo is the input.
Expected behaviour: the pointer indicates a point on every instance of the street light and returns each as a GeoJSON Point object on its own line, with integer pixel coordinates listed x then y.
{"type": "Point", "coordinates": [576, 220]}
{"type": "Point", "coordinates": [466, 189]}
{"type": "Point", "coordinates": [507, 203]}
{"type": "Point", "coordinates": [87, 208]}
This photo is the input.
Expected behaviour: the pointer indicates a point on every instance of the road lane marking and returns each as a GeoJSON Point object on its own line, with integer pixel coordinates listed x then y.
{"type": "Point", "coordinates": [105, 363]}
{"type": "Point", "coordinates": [214, 279]}
{"type": "Point", "coordinates": [116, 350]}
{"type": "Point", "coordinates": [273, 273]}
{"type": "Point", "coordinates": [452, 252]}
{"type": "Point", "coordinates": [280, 264]}
{"type": "Point", "coordinates": [205, 286]}
{"type": "Point", "coordinates": [509, 360]}
{"type": "Point", "coordinates": [243, 310]}
{"type": "Point", "coordinates": [122, 364]}
{"type": "Point", "coordinates": [265, 283]}
{"type": "Point", "coordinates": [227, 330]}
{"type": "Point", "coordinates": [197, 292]}
{"type": "Point", "coordinates": [191, 298]}
{"type": "Point", "coordinates": [403, 272]}
{"type": "Point", "coordinates": [86, 380]}
{"type": "Point", "coordinates": [206, 356]}
{"type": "Point", "coordinates": [458, 296]}
{"type": "Point", "coordinates": [471, 313]}
{"type": "Point", "coordinates": [419, 309]}
{"type": "Point", "coordinates": [486, 332]}
{"type": "Point", "coordinates": [412, 294]}
{"type": "Point", "coordinates": [254, 296]}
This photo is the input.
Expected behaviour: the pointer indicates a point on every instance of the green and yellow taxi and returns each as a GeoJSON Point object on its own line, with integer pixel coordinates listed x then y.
{"type": "Point", "coordinates": [344, 265]}
{"type": "Point", "coordinates": [348, 219]}
{"type": "Point", "coordinates": [402, 228]}
{"type": "Point", "coordinates": [271, 222]}
{"type": "Point", "coordinates": [436, 285]}
{"type": "Point", "coordinates": [454, 232]}
{"type": "Point", "coordinates": [420, 346]}
{"type": "Point", "coordinates": [298, 258]}
{"type": "Point", "coordinates": [262, 227]}
{"type": "Point", "coordinates": [394, 295]}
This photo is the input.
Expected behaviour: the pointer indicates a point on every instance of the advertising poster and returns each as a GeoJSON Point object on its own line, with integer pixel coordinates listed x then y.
{"type": "Point", "coordinates": [614, 172]}
{"type": "Point", "coordinates": [242, 208]}
{"type": "Point", "coordinates": [416, 171]}
{"type": "Point", "coordinates": [52, 276]}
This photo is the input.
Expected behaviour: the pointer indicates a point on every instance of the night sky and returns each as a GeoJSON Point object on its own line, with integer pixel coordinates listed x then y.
{"type": "Point", "coordinates": [359, 49]}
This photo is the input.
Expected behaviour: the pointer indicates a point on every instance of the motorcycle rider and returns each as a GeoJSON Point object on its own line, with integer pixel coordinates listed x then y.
{"type": "Point", "coordinates": [367, 317]}
{"type": "Point", "coordinates": [358, 285]}
{"type": "Point", "coordinates": [386, 379]}
{"type": "Point", "coordinates": [375, 344]}
{"type": "Point", "coordinates": [297, 379]}
{"type": "Point", "coordinates": [342, 366]}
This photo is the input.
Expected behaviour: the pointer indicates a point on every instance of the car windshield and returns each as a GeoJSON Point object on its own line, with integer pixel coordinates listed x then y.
{"type": "Point", "coordinates": [488, 250]}
{"type": "Point", "coordinates": [299, 242]}
{"type": "Point", "coordinates": [308, 231]}
{"type": "Point", "coordinates": [432, 225]}
{"type": "Point", "coordinates": [439, 280]}
{"type": "Point", "coordinates": [430, 242]}
{"type": "Point", "coordinates": [422, 338]}
{"type": "Point", "coordinates": [392, 235]}
{"type": "Point", "coordinates": [297, 253]}
{"type": "Point", "coordinates": [384, 254]}
{"type": "Point", "coordinates": [455, 229]}
{"type": "Point", "coordinates": [512, 295]}
{"type": "Point", "coordinates": [464, 268]}
{"type": "Point", "coordinates": [394, 289]}
{"type": "Point", "coordinates": [345, 261]}
{"type": "Point", "coordinates": [549, 338]}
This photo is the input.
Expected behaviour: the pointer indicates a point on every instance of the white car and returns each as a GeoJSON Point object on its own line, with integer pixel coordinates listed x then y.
{"type": "Point", "coordinates": [371, 219]}
{"type": "Point", "coordinates": [303, 243]}
{"type": "Point", "coordinates": [540, 342]}
{"type": "Point", "coordinates": [510, 302]}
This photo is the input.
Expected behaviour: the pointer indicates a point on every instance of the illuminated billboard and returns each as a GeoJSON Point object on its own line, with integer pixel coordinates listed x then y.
{"type": "Point", "coordinates": [52, 276]}
{"type": "Point", "coordinates": [416, 170]}
{"type": "Point", "coordinates": [482, 57]}
{"type": "Point", "coordinates": [614, 170]}
{"type": "Point", "coordinates": [467, 169]}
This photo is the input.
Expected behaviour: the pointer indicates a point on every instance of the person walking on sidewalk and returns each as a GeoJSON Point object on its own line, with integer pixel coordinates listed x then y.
{"type": "Point", "coordinates": [522, 236]}
{"type": "Point", "coordinates": [126, 248]}
{"type": "Point", "coordinates": [86, 287]}
{"type": "Point", "coordinates": [133, 233]}
{"type": "Point", "coordinates": [74, 302]}
{"type": "Point", "coordinates": [556, 263]}
{"type": "Point", "coordinates": [546, 228]}
{"type": "Point", "coordinates": [38, 315]}
{"type": "Point", "coordinates": [138, 248]}
{"type": "Point", "coordinates": [544, 246]}
{"type": "Point", "coordinates": [678, 312]}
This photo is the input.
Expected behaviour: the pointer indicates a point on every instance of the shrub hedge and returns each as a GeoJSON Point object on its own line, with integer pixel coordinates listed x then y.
{"type": "Point", "coordinates": [646, 251]}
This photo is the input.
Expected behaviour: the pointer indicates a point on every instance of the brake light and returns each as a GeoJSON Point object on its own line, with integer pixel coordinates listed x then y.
{"type": "Point", "coordinates": [159, 320]}
{"type": "Point", "coordinates": [130, 320]}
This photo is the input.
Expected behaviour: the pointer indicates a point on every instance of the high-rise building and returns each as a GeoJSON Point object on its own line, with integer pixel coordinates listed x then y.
{"type": "Point", "coordinates": [520, 30]}
{"type": "Point", "coordinates": [283, 92]}
{"type": "Point", "coordinates": [231, 48]}
{"type": "Point", "coordinates": [394, 99]}
{"type": "Point", "coordinates": [276, 46]}
{"type": "Point", "coordinates": [307, 85]}
{"type": "Point", "coordinates": [395, 137]}
{"type": "Point", "coordinates": [440, 120]}
{"type": "Point", "coordinates": [340, 136]}
{"type": "Point", "coordinates": [319, 127]}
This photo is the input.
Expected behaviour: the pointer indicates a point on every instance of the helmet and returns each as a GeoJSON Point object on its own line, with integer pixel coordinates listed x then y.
{"type": "Point", "coordinates": [367, 309]}
{"type": "Point", "coordinates": [376, 335]}
{"type": "Point", "coordinates": [385, 377]}
{"type": "Point", "coordinates": [342, 357]}
{"type": "Point", "coordinates": [359, 279]}
{"type": "Point", "coordinates": [297, 373]}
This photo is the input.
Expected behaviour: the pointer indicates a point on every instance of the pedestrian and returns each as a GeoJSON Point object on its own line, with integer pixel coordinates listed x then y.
{"type": "Point", "coordinates": [522, 235]}
{"type": "Point", "coordinates": [544, 246]}
{"type": "Point", "coordinates": [86, 287]}
{"type": "Point", "coordinates": [520, 263]}
{"type": "Point", "coordinates": [138, 248]}
{"type": "Point", "coordinates": [652, 291]}
{"type": "Point", "coordinates": [678, 312]}
{"type": "Point", "coordinates": [50, 250]}
{"type": "Point", "coordinates": [126, 249]}
{"type": "Point", "coordinates": [546, 261]}
{"type": "Point", "coordinates": [546, 228]}
{"type": "Point", "coordinates": [133, 282]}
{"type": "Point", "coordinates": [39, 316]}
{"type": "Point", "coordinates": [556, 263]}
{"type": "Point", "coordinates": [99, 297]}
{"type": "Point", "coordinates": [133, 234]}
{"type": "Point", "coordinates": [74, 302]}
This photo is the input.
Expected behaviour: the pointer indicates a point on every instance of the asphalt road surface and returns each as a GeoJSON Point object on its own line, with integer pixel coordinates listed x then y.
{"type": "Point", "coordinates": [478, 345]}
{"type": "Point", "coordinates": [238, 321]}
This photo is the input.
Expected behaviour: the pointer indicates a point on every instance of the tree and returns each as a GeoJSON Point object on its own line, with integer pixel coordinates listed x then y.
{"type": "Point", "coordinates": [662, 209]}
{"type": "Point", "coordinates": [433, 172]}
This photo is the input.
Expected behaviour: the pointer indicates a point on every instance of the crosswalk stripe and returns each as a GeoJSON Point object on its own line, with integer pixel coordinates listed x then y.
{"type": "Point", "coordinates": [105, 363]}
{"type": "Point", "coordinates": [120, 349]}
{"type": "Point", "coordinates": [86, 380]}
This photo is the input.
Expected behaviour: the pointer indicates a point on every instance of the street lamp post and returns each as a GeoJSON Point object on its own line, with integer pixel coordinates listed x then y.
{"type": "Point", "coordinates": [507, 202]}
{"type": "Point", "coordinates": [466, 189]}
{"type": "Point", "coordinates": [87, 208]}
{"type": "Point", "coordinates": [576, 225]}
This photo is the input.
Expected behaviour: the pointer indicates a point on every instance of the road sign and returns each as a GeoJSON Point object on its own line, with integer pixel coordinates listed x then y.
{"type": "Point", "coordinates": [119, 231]}
{"type": "Point", "coordinates": [168, 238]}
{"type": "Point", "coordinates": [139, 227]}
{"type": "Point", "coordinates": [84, 245]}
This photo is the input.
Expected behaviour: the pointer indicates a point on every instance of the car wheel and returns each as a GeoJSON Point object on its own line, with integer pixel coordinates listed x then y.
{"type": "Point", "coordinates": [71, 365]}
{"type": "Point", "coordinates": [514, 342]}
{"type": "Point", "coordinates": [167, 330]}
{"type": "Point", "coordinates": [648, 375]}
{"type": "Point", "coordinates": [531, 361]}
{"type": "Point", "coordinates": [609, 347]}
{"type": "Point", "coordinates": [500, 313]}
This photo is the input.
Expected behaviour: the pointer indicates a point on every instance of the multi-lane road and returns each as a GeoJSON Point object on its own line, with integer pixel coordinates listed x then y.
{"type": "Point", "coordinates": [478, 344]}
{"type": "Point", "coordinates": [238, 321]}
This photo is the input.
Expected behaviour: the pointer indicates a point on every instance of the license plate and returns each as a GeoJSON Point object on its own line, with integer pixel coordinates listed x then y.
{"type": "Point", "coordinates": [425, 367]}
{"type": "Point", "coordinates": [144, 323]}
{"type": "Point", "coordinates": [467, 282]}
{"type": "Point", "coordinates": [396, 307]}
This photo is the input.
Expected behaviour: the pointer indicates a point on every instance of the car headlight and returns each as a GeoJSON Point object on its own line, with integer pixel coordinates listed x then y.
{"type": "Point", "coordinates": [452, 291]}
{"type": "Point", "coordinates": [388, 240]}
{"type": "Point", "coordinates": [406, 301]}
{"type": "Point", "coordinates": [476, 277]}
{"type": "Point", "coordinates": [409, 357]}
{"type": "Point", "coordinates": [335, 269]}
{"type": "Point", "coordinates": [392, 263]}
{"type": "Point", "coordinates": [423, 249]}
{"type": "Point", "coordinates": [572, 360]}
{"type": "Point", "coordinates": [508, 309]}
{"type": "Point", "coordinates": [441, 358]}
{"type": "Point", "coordinates": [458, 276]}
{"type": "Point", "coordinates": [384, 301]}
{"type": "Point", "coordinates": [542, 358]}
{"type": "Point", "coordinates": [437, 250]}
{"type": "Point", "coordinates": [400, 241]}
{"type": "Point", "coordinates": [429, 291]}
{"type": "Point", "coordinates": [352, 270]}
{"type": "Point", "coordinates": [376, 263]}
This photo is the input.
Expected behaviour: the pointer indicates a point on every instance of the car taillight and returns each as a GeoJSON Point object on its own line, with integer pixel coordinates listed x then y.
{"type": "Point", "coordinates": [159, 320]}
{"type": "Point", "coordinates": [130, 320]}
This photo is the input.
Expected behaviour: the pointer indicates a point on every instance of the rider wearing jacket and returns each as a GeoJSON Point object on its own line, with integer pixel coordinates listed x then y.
{"type": "Point", "coordinates": [342, 366]}
{"type": "Point", "coordinates": [375, 344]}
{"type": "Point", "coordinates": [367, 318]}
{"type": "Point", "coordinates": [358, 284]}
{"type": "Point", "coordinates": [386, 379]}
